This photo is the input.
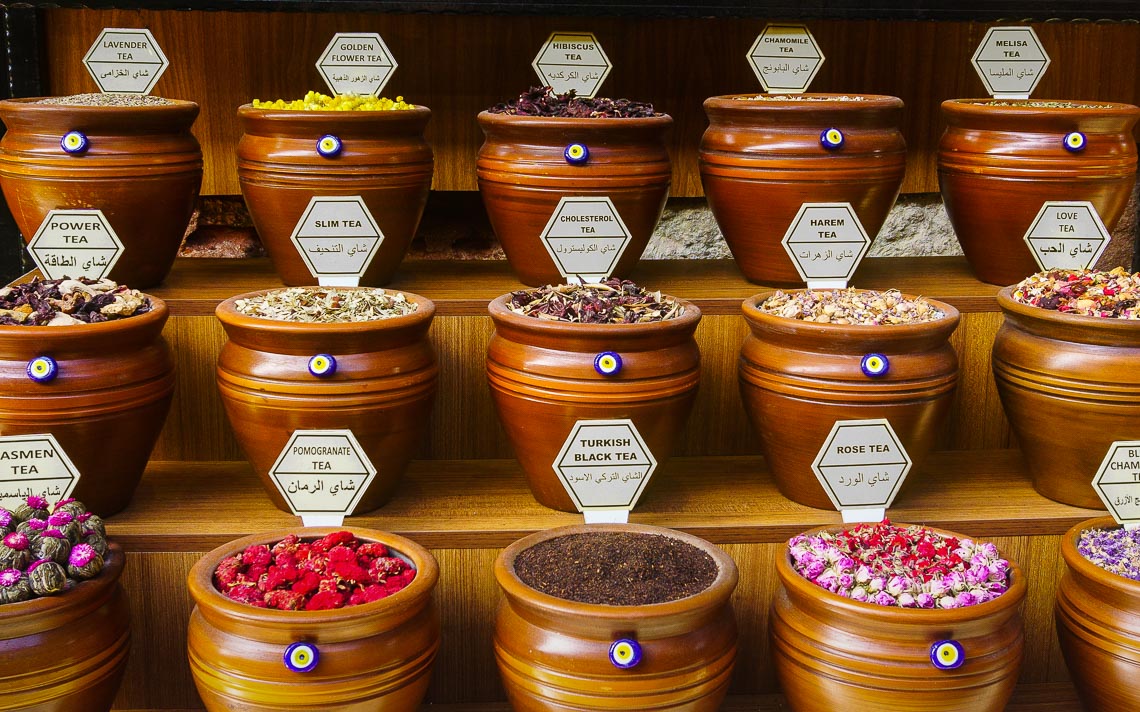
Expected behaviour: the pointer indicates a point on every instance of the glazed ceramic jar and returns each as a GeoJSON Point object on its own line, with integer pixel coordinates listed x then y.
{"type": "Point", "coordinates": [371, 656]}
{"type": "Point", "coordinates": [525, 167]}
{"type": "Point", "coordinates": [140, 165]}
{"type": "Point", "coordinates": [380, 156]}
{"type": "Point", "coordinates": [999, 160]}
{"type": "Point", "coordinates": [761, 158]}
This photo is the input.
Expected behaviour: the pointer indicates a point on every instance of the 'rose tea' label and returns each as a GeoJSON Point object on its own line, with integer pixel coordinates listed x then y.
{"type": "Point", "coordinates": [75, 243]}
{"type": "Point", "coordinates": [572, 61]}
{"type": "Point", "coordinates": [1117, 482]}
{"type": "Point", "coordinates": [337, 238]}
{"type": "Point", "coordinates": [34, 465]}
{"type": "Point", "coordinates": [585, 237]}
{"type": "Point", "coordinates": [861, 466]}
{"type": "Point", "coordinates": [125, 60]}
{"type": "Point", "coordinates": [604, 466]}
{"type": "Point", "coordinates": [785, 58]}
{"type": "Point", "coordinates": [356, 63]}
{"type": "Point", "coordinates": [322, 474]}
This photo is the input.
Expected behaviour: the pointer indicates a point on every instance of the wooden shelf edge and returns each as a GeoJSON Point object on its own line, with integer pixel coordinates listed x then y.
{"type": "Point", "coordinates": [471, 504]}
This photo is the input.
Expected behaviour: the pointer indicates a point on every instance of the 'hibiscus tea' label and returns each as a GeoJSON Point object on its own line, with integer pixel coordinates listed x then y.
{"type": "Point", "coordinates": [572, 61]}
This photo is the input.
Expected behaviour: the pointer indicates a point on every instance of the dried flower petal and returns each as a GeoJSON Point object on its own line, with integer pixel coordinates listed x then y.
{"type": "Point", "coordinates": [613, 301]}
{"type": "Point", "coordinates": [542, 101]}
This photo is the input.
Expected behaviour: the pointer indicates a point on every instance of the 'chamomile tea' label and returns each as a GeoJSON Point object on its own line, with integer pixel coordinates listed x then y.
{"type": "Point", "coordinates": [861, 466]}
{"type": "Point", "coordinates": [356, 63]}
{"type": "Point", "coordinates": [75, 243]}
{"type": "Point", "coordinates": [337, 238]}
{"type": "Point", "coordinates": [572, 60]}
{"type": "Point", "coordinates": [785, 58]}
{"type": "Point", "coordinates": [1067, 235]}
{"type": "Point", "coordinates": [322, 474]}
{"type": "Point", "coordinates": [604, 466]}
{"type": "Point", "coordinates": [34, 465]}
{"type": "Point", "coordinates": [1010, 61]}
{"type": "Point", "coordinates": [585, 237]}
{"type": "Point", "coordinates": [125, 60]}
{"type": "Point", "coordinates": [826, 242]}
{"type": "Point", "coordinates": [1117, 482]}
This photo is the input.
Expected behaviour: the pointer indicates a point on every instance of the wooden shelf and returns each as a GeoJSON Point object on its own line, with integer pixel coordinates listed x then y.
{"type": "Point", "coordinates": [195, 286]}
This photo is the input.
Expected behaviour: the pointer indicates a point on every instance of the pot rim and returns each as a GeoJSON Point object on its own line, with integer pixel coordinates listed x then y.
{"type": "Point", "coordinates": [247, 110]}
{"type": "Point", "coordinates": [512, 586]}
{"type": "Point", "coordinates": [200, 580]}
{"type": "Point", "coordinates": [791, 579]}
{"type": "Point", "coordinates": [28, 104]}
{"type": "Point", "coordinates": [750, 307]}
{"type": "Point", "coordinates": [16, 332]}
{"type": "Point", "coordinates": [561, 122]}
{"type": "Point", "coordinates": [113, 563]}
{"type": "Point", "coordinates": [1049, 316]}
{"type": "Point", "coordinates": [1078, 564]}
{"type": "Point", "coordinates": [985, 106]}
{"type": "Point", "coordinates": [500, 312]}
{"type": "Point", "coordinates": [786, 102]}
{"type": "Point", "coordinates": [227, 313]}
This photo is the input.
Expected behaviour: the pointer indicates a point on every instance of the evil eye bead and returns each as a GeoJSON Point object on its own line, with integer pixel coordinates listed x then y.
{"type": "Point", "coordinates": [322, 365]}
{"type": "Point", "coordinates": [576, 154]}
{"type": "Point", "coordinates": [301, 657]}
{"type": "Point", "coordinates": [42, 369]}
{"type": "Point", "coordinates": [831, 139]}
{"type": "Point", "coordinates": [73, 142]}
{"type": "Point", "coordinates": [947, 654]}
{"type": "Point", "coordinates": [875, 365]}
{"type": "Point", "coordinates": [1075, 142]}
{"type": "Point", "coordinates": [329, 146]}
{"type": "Point", "coordinates": [607, 363]}
{"type": "Point", "coordinates": [625, 653]}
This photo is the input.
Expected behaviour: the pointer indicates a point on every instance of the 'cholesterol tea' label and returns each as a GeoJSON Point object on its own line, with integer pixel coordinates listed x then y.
{"type": "Point", "coordinates": [826, 242]}
{"type": "Point", "coordinates": [34, 465]}
{"type": "Point", "coordinates": [322, 474]}
{"type": "Point", "coordinates": [1117, 482]}
{"type": "Point", "coordinates": [572, 60]}
{"type": "Point", "coordinates": [337, 238]}
{"type": "Point", "coordinates": [125, 60]}
{"type": "Point", "coordinates": [785, 58]}
{"type": "Point", "coordinates": [356, 63]}
{"type": "Point", "coordinates": [585, 237]}
{"type": "Point", "coordinates": [1010, 61]}
{"type": "Point", "coordinates": [75, 243]}
{"type": "Point", "coordinates": [861, 466]}
{"type": "Point", "coordinates": [1067, 235]}
{"type": "Point", "coordinates": [604, 465]}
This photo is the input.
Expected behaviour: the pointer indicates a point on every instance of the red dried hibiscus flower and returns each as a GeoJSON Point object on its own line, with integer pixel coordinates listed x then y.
{"type": "Point", "coordinates": [334, 571]}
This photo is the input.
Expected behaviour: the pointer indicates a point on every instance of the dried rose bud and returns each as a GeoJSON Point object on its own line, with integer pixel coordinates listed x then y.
{"type": "Point", "coordinates": [47, 578]}
{"type": "Point", "coordinates": [14, 586]}
{"type": "Point", "coordinates": [52, 544]}
{"type": "Point", "coordinates": [84, 562]}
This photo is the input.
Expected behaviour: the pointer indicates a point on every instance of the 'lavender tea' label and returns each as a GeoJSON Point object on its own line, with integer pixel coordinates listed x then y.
{"type": "Point", "coordinates": [34, 465]}
{"type": "Point", "coordinates": [125, 60]}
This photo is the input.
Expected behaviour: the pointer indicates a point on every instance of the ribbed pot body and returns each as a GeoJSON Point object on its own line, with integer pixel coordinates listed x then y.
{"type": "Point", "coordinates": [760, 160]}
{"type": "Point", "coordinates": [384, 160]}
{"type": "Point", "coordinates": [68, 652]}
{"type": "Point", "coordinates": [1046, 363]}
{"type": "Point", "coordinates": [798, 378]}
{"type": "Point", "coordinates": [997, 165]}
{"type": "Point", "coordinates": [1098, 624]}
{"type": "Point", "coordinates": [553, 654]}
{"type": "Point", "coordinates": [523, 173]}
{"type": "Point", "coordinates": [835, 653]}
{"type": "Point", "coordinates": [382, 390]}
{"type": "Point", "coordinates": [143, 169]}
{"type": "Point", "coordinates": [374, 657]}
{"type": "Point", "coordinates": [543, 381]}
{"type": "Point", "coordinates": [106, 406]}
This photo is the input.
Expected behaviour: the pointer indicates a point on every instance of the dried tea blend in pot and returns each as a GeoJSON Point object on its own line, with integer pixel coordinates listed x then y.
{"type": "Point", "coordinates": [860, 307]}
{"type": "Point", "coordinates": [326, 305]}
{"type": "Point", "coordinates": [614, 301]}
{"type": "Point", "coordinates": [47, 560]}
{"type": "Point", "coordinates": [542, 101]}
{"type": "Point", "coordinates": [1108, 295]}
{"type": "Point", "coordinates": [62, 302]}
{"type": "Point", "coordinates": [315, 101]}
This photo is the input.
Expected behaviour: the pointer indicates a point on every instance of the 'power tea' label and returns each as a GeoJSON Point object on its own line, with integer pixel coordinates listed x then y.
{"type": "Point", "coordinates": [75, 243]}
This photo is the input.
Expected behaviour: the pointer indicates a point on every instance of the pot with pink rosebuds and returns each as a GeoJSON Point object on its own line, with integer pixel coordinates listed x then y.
{"type": "Point", "coordinates": [846, 635]}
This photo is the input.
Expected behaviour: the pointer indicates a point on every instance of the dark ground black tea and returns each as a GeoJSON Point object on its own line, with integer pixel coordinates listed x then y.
{"type": "Point", "coordinates": [616, 568]}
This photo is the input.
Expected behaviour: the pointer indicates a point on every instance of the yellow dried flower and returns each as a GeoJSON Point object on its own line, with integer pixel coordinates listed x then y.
{"type": "Point", "coordinates": [315, 101]}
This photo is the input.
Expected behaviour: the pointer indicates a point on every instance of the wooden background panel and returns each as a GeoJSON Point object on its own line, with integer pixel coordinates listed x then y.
{"type": "Point", "coordinates": [460, 64]}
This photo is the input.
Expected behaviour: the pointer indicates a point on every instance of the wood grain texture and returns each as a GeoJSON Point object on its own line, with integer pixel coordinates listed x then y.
{"type": "Point", "coordinates": [460, 64]}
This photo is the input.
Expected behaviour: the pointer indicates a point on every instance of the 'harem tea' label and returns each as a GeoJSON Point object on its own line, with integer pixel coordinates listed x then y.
{"type": "Point", "coordinates": [1010, 61]}
{"type": "Point", "coordinates": [75, 243]}
{"type": "Point", "coordinates": [585, 237]}
{"type": "Point", "coordinates": [1067, 235]}
{"type": "Point", "coordinates": [826, 242]}
{"type": "Point", "coordinates": [337, 238]}
{"type": "Point", "coordinates": [34, 465]}
{"type": "Point", "coordinates": [785, 58]}
{"type": "Point", "coordinates": [356, 63]}
{"type": "Point", "coordinates": [861, 467]}
{"type": "Point", "coordinates": [572, 61]}
{"type": "Point", "coordinates": [604, 466]}
{"type": "Point", "coordinates": [1117, 482]}
{"type": "Point", "coordinates": [125, 60]}
{"type": "Point", "coordinates": [322, 474]}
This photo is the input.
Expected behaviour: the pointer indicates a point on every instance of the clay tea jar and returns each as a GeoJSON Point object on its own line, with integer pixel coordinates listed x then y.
{"type": "Point", "coordinates": [1048, 364]}
{"type": "Point", "coordinates": [373, 656]}
{"type": "Point", "coordinates": [999, 160]}
{"type": "Point", "coordinates": [1098, 624]}
{"type": "Point", "coordinates": [762, 158]}
{"type": "Point", "coordinates": [528, 163]}
{"type": "Point", "coordinates": [546, 375]}
{"type": "Point", "coordinates": [835, 653]}
{"type": "Point", "coordinates": [819, 373]}
{"type": "Point", "coordinates": [286, 157]}
{"type": "Point", "coordinates": [140, 165]}
{"type": "Point", "coordinates": [559, 655]}
{"type": "Point", "coordinates": [375, 378]}
{"type": "Point", "coordinates": [105, 404]}
{"type": "Point", "coordinates": [69, 651]}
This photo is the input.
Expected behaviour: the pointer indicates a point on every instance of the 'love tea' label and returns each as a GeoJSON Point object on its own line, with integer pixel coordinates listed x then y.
{"type": "Point", "coordinates": [1010, 62]}
{"type": "Point", "coordinates": [125, 60]}
{"type": "Point", "coordinates": [1117, 482]}
{"type": "Point", "coordinates": [337, 238]}
{"type": "Point", "coordinates": [861, 467]}
{"type": "Point", "coordinates": [75, 243]}
{"type": "Point", "coordinates": [572, 60]}
{"type": "Point", "coordinates": [585, 237]}
{"type": "Point", "coordinates": [605, 465]}
{"type": "Point", "coordinates": [322, 474]}
{"type": "Point", "coordinates": [826, 242]}
{"type": "Point", "coordinates": [34, 465]}
{"type": "Point", "coordinates": [1067, 235]}
{"type": "Point", "coordinates": [356, 63]}
{"type": "Point", "coordinates": [785, 58]}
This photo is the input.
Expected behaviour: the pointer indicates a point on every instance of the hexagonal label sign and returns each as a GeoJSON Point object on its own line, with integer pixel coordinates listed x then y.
{"type": "Point", "coordinates": [125, 60]}
{"type": "Point", "coordinates": [1010, 61]}
{"type": "Point", "coordinates": [785, 58]}
{"type": "Point", "coordinates": [356, 63]}
{"type": "Point", "coordinates": [826, 242]}
{"type": "Point", "coordinates": [604, 465]}
{"type": "Point", "coordinates": [337, 238]}
{"type": "Point", "coordinates": [34, 465]}
{"type": "Point", "coordinates": [1117, 481]}
{"type": "Point", "coordinates": [1067, 235]}
{"type": "Point", "coordinates": [861, 466]}
{"type": "Point", "coordinates": [322, 474]}
{"type": "Point", "coordinates": [572, 60]}
{"type": "Point", "coordinates": [75, 243]}
{"type": "Point", "coordinates": [585, 237]}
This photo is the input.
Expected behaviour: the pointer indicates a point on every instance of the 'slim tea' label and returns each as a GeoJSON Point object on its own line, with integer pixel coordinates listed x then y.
{"type": "Point", "coordinates": [337, 237]}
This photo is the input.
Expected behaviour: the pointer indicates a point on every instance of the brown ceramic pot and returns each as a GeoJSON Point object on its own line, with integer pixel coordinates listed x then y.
{"type": "Point", "coordinates": [797, 378]}
{"type": "Point", "coordinates": [385, 160]}
{"type": "Point", "coordinates": [143, 169]}
{"type": "Point", "coordinates": [375, 656]}
{"type": "Point", "coordinates": [382, 390]}
{"type": "Point", "coordinates": [998, 164]}
{"type": "Point", "coordinates": [835, 653]}
{"type": "Point", "coordinates": [523, 173]}
{"type": "Point", "coordinates": [1047, 363]}
{"type": "Point", "coordinates": [1098, 624]}
{"type": "Point", "coordinates": [105, 407]}
{"type": "Point", "coordinates": [760, 160]}
{"type": "Point", "coordinates": [553, 654]}
{"type": "Point", "coordinates": [543, 380]}
{"type": "Point", "coordinates": [68, 652]}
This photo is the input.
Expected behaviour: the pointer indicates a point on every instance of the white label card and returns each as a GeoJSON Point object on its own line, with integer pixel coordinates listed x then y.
{"type": "Point", "coordinates": [604, 465]}
{"type": "Point", "coordinates": [356, 63]}
{"type": "Point", "coordinates": [75, 243]}
{"type": "Point", "coordinates": [1117, 482]}
{"type": "Point", "coordinates": [125, 60]}
{"type": "Point", "coordinates": [1010, 61]}
{"type": "Point", "coordinates": [34, 465]}
{"type": "Point", "coordinates": [862, 465]}
{"type": "Point", "coordinates": [572, 60]}
{"type": "Point", "coordinates": [337, 238]}
{"type": "Point", "coordinates": [1067, 235]}
{"type": "Point", "coordinates": [322, 473]}
{"type": "Point", "coordinates": [826, 242]}
{"type": "Point", "coordinates": [585, 237]}
{"type": "Point", "coordinates": [785, 58]}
